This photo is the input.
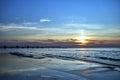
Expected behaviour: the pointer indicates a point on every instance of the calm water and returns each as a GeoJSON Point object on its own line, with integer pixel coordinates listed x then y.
{"type": "Point", "coordinates": [109, 56]}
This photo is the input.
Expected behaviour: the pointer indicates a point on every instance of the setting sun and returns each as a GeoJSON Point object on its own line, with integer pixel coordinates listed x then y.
{"type": "Point", "coordinates": [82, 39]}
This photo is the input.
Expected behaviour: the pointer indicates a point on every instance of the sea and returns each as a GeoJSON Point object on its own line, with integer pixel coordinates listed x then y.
{"type": "Point", "coordinates": [107, 56]}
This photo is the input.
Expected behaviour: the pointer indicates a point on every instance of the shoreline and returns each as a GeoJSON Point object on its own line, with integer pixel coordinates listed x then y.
{"type": "Point", "coordinates": [65, 57]}
{"type": "Point", "coordinates": [41, 69]}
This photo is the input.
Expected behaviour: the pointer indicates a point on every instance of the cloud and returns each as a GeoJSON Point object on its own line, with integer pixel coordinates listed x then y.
{"type": "Point", "coordinates": [45, 20]}
{"type": "Point", "coordinates": [84, 26]}
{"type": "Point", "coordinates": [62, 43]}
{"type": "Point", "coordinates": [15, 27]}
{"type": "Point", "coordinates": [30, 23]}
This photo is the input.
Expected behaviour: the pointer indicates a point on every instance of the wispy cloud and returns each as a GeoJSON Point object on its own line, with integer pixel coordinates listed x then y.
{"type": "Point", "coordinates": [84, 26]}
{"type": "Point", "coordinates": [30, 30]}
{"type": "Point", "coordinates": [30, 23]}
{"type": "Point", "coordinates": [16, 27]}
{"type": "Point", "coordinates": [45, 20]}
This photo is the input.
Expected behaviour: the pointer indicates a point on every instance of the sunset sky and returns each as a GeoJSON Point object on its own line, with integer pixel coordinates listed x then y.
{"type": "Point", "coordinates": [60, 22]}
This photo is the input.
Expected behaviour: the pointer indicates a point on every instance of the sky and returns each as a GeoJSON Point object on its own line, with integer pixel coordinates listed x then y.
{"type": "Point", "coordinates": [60, 22]}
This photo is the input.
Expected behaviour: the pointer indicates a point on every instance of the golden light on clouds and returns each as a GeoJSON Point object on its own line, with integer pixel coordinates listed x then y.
{"type": "Point", "coordinates": [82, 39]}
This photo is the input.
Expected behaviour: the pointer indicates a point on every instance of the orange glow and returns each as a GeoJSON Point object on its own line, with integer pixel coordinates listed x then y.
{"type": "Point", "coordinates": [82, 39]}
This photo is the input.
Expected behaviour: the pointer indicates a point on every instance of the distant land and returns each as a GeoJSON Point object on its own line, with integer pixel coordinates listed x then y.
{"type": "Point", "coordinates": [28, 46]}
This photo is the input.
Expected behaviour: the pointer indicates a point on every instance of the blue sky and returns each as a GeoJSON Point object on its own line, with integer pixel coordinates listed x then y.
{"type": "Point", "coordinates": [59, 19]}
{"type": "Point", "coordinates": [88, 11]}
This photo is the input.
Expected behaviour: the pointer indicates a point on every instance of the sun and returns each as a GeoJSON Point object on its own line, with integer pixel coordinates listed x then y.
{"type": "Point", "coordinates": [82, 39]}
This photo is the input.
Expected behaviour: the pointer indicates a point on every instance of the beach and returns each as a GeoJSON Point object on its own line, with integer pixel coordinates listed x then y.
{"type": "Point", "coordinates": [49, 67]}
{"type": "Point", "coordinates": [59, 39]}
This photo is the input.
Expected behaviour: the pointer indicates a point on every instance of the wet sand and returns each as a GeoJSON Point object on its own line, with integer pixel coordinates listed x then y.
{"type": "Point", "coordinates": [27, 68]}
